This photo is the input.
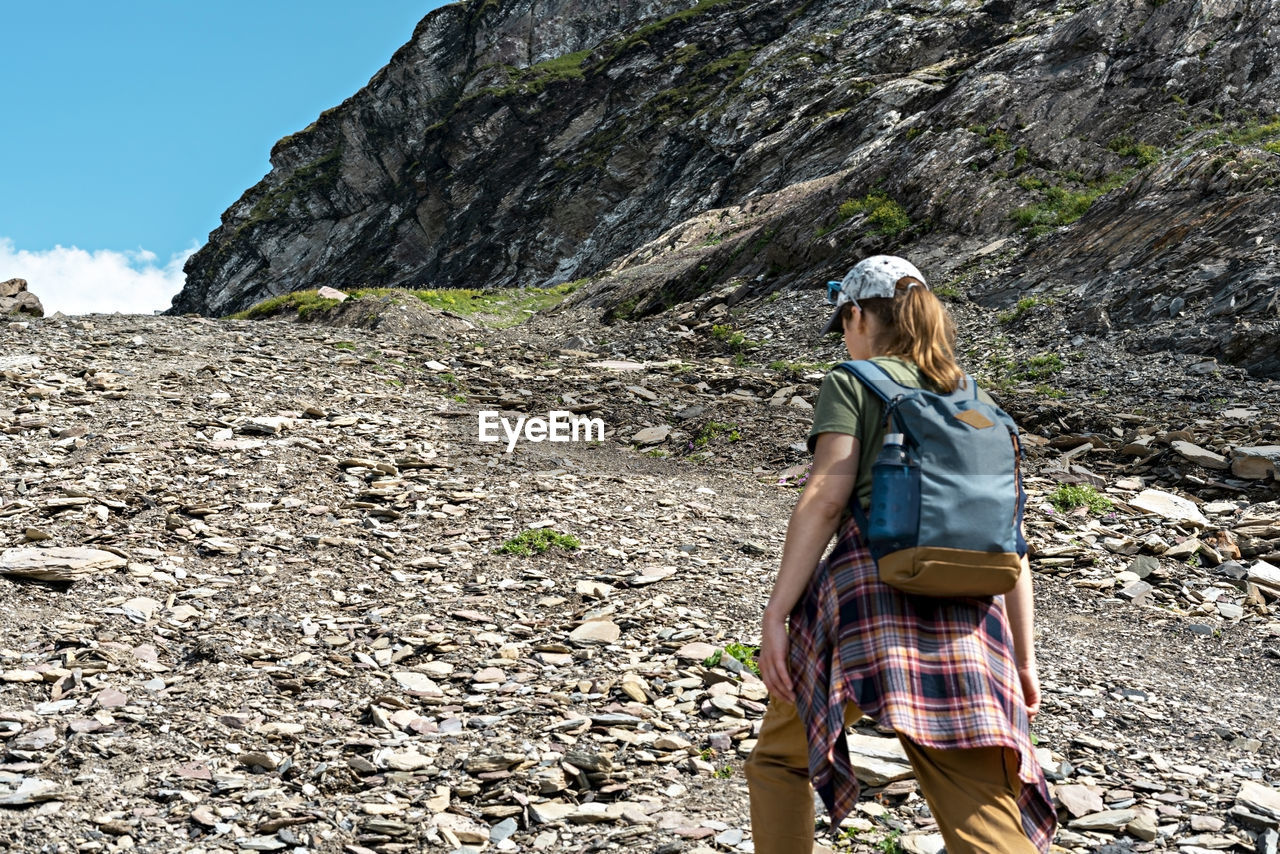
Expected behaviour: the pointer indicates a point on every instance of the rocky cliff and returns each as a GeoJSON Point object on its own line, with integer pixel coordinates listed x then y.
{"type": "Point", "coordinates": [1119, 158]}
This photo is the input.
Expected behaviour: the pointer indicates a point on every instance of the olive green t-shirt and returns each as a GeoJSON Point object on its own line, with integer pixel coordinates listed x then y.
{"type": "Point", "coordinates": [847, 406]}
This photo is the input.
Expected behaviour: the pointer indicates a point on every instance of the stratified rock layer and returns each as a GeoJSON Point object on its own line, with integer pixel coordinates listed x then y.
{"type": "Point", "coordinates": [1114, 155]}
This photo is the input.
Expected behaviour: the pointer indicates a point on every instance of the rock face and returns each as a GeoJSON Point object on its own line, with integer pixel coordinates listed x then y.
{"type": "Point", "coordinates": [1113, 155]}
{"type": "Point", "coordinates": [16, 299]}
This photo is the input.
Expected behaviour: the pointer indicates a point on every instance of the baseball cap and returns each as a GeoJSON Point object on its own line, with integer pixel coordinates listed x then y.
{"type": "Point", "coordinates": [872, 277]}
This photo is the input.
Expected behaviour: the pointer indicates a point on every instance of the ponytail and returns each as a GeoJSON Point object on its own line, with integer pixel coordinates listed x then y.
{"type": "Point", "coordinates": [918, 327]}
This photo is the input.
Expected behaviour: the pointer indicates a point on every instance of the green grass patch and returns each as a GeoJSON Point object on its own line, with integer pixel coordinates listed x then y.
{"type": "Point", "coordinates": [742, 652]}
{"type": "Point", "coordinates": [1042, 366]}
{"type": "Point", "coordinates": [1253, 132]}
{"type": "Point", "coordinates": [997, 139]}
{"type": "Point", "coordinates": [715, 429]}
{"type": "Point", "coordinates": [648, 31]}
{"type": "Point", "coordinates": [1063, 205]}
{"type": "Point", "coordinates": [889, 844]}
{"type": "Point", "coordinates": [1126, 147]}
{"type": "Point", "coordinates": [300, 302]}
{"type": "Point", "coordinates": [732, 338]}
{"type": "Point", "coordinates": [497, 308]}
{"type": "Point", "coordinates": [321, 173]}
{"type": "Point", "coordinates": [995, 370]}
{"type": "Point", "coordinates": [537, 77]}
{"type": "Point", "coordinates": [702, 89]}
{"type": "Point", "coordinates": [625, 309]}
{"type": "Point", "coordinates": [1023, 306]}
{"type": "Point", "coordinates": [1068, 498]}
{"type": "Point", "coordinates": [538, 541]}
{"type": "Point", "coordinates": [801, 367]}
{"type": "Point", "coordinates": [1050, 391]}
{"type": "Point", "coordinates": [884, 216]}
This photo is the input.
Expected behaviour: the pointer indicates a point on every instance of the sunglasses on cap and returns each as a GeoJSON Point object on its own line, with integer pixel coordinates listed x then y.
{"type": "Point", "coordinates": [834, 296]}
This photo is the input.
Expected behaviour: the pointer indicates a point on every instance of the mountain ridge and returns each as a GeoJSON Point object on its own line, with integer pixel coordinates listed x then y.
{"type": "Point", "coordinates": [1108, 144]}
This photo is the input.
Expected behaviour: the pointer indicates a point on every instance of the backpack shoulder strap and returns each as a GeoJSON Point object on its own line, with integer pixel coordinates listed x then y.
{"type": "Point", "coordinates": [876, 379]}
{"type": "Point", "coordinates": [968, 390]}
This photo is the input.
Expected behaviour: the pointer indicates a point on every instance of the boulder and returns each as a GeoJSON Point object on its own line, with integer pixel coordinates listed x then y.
{"type": "Point", "coordinates": [1257, 463]}
{"type": "Point", "coordinates": [16, 299]}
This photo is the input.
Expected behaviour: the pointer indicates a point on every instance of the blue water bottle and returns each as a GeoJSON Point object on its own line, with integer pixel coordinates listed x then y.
{"type": "Point", "coordinates": [895, 497]}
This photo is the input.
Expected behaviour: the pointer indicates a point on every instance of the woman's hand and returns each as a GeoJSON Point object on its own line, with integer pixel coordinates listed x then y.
{"type": "Point", "coordinates": [1030, 689]}
{"type": "Point", "coordinates": [774, 646]}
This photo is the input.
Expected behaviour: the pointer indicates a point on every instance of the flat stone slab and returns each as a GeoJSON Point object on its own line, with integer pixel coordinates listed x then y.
{"type": "Point", "coordinates": [1259, 798]}
{"type": "Point", "coordinates": [58, 564]}
{"type": "Point", "coordinates": [878, 761]}
{"type": "Point", "coordinates": [1200, 456]}
{"type": "Point", "coordinates": [1169, 506]}
{"type": "Point", "coordinates": [1258, 463]}
{"type": "Point", "coordinates": [1110, 821]}
{"type": "Point", "coordinates": [597, 631]}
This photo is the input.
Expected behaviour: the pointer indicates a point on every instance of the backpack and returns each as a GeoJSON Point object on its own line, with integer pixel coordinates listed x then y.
{"type": "Point", "coordinates": [970, 498]}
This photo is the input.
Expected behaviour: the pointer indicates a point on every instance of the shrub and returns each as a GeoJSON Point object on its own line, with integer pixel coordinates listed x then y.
{"type": "Point", "coordinates": [885, 216]}
{"type": "Point", "coordinates": [731, 337]}
{"type": "Point", "coordinates": [743, 653]}
{"type": "Point", "coordinates": [1068, 498]}
{"type": "Point", "coordinates": [538, 541]}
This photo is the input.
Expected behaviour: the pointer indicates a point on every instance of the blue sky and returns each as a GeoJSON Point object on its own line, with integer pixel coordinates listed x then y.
{"type": "Point", "coordinates": [129, 127]}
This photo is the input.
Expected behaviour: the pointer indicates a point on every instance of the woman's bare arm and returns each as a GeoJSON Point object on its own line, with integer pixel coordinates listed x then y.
{"type": "Point", "coordinates": [1020, 605]}
{"type": "Point", "coordinates": [813, 522]}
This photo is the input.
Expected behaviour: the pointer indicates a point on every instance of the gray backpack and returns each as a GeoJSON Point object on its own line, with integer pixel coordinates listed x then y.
{"type": "Point", "coordinates": [946, 506]}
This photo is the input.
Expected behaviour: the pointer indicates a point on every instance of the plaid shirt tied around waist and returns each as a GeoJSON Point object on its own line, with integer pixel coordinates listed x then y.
{"type": "Point", "coordinates": [939, 671]}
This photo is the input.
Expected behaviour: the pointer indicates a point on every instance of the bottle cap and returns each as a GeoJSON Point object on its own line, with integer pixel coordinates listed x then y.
{"type": "Point", "coordinates": [893, 438]}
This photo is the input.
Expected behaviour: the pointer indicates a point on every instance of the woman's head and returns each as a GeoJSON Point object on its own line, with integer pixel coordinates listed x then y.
{"type": "Point", "coordinates": [885, 309]}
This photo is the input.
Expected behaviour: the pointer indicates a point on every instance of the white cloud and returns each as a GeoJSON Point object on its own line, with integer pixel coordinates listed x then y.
{"type": "Point", "coordinates": [76, 281]}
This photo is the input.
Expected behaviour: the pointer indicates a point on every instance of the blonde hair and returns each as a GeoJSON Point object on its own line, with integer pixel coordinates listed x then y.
{"type": "Point", "coordinates": [917, 326]}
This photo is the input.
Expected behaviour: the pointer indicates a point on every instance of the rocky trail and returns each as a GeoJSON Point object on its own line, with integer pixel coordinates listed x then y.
{"type": "Point", "coordinates": [281, 603]}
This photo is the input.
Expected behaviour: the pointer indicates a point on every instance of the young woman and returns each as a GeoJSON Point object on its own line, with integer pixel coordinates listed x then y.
{"type": "Point", "coordinates": [954, 678]}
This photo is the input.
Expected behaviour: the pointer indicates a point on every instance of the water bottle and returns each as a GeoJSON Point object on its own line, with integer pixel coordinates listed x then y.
{"type": "Point", "coordinates": [895, 497]}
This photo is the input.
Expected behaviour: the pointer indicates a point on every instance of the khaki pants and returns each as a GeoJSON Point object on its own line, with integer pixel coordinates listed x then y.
{"type": "Point", "coordinates": [971, 793]}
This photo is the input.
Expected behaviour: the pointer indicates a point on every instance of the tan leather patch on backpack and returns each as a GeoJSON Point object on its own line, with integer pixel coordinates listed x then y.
{"type": "Point", "coordinates": [975, 419]}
